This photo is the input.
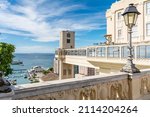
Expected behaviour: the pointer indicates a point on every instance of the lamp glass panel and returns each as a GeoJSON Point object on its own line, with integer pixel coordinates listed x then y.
{"type": "Point", "coordinates": [135, 18]}
{"type": "Point", "coordinates": [131, 17]}
{"type": "Point", "coordinates": [126, 19]}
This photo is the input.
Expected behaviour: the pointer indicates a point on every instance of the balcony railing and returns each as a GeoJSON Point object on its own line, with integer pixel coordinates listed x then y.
{"type": "Point", "coordinates": [111, 51]}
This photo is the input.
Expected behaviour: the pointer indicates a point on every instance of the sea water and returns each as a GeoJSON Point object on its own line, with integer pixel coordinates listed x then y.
{"type": "Point", "coordinates": [29, 60]}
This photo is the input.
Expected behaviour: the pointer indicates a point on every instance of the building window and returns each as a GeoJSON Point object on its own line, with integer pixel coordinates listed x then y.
{"type": "Point", "coordinates": [119, 33]}
{"type": "Point", "coordinates": [68, 40]}
{"type": "Point", "coordinates": [101, 51]}
{"type": "Point", "coordinates": [148, 29]}
{"type": "Point", "coordinates": [68, 35]}
{"type": "Point", "coordinates": [119, 16]}
{"type": "Point", "coordinates": [119, 20]}
{"type": "Point", "coordinates": [148, 8]}
{"type": "Point", "coordinates": [135, 31]}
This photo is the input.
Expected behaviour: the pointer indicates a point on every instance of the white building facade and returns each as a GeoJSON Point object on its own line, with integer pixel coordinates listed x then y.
{"type": "Point", "coordinates": [116, 26]}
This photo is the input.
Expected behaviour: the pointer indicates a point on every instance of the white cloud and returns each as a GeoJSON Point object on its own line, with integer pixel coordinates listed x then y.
{"type": "Point", "coordinates": [42, 20]}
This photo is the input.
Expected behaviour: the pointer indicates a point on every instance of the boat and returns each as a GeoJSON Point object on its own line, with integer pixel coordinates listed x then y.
{"type": "Point", "coordinates": [25, 76]}
{"type": "Point", "coordinates": [13, 82]}
{"type": "Point", "coordinates": [17, 62]}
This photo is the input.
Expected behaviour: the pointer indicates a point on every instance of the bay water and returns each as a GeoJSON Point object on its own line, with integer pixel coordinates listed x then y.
{"type": "Point", "coordinates": [30, 60]}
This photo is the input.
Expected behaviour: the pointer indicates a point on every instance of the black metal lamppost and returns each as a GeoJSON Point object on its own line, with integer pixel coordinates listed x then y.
{"type": "Point", "coordinates": [130, 17]}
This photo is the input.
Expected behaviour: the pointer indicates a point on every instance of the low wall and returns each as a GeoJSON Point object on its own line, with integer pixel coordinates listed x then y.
{"type": "Point", "coordinates": [96, 87]}
{"type": "Point", "coordinates": [107, 87]}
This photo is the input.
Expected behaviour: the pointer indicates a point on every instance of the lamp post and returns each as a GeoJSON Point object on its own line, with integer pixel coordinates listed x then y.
{"type": "Point", "coordinates": [130, 17]}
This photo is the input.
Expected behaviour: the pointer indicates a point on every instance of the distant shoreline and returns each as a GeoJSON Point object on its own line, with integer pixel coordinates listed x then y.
{"type": "Point", "coordinates": [34, 53]}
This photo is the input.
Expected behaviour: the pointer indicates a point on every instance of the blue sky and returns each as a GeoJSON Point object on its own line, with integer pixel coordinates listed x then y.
{"type": "Point", "coordinates": [33, 26]}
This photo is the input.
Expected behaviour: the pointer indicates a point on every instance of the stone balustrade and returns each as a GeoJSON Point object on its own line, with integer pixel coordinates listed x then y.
{"type": "Point", "coordinates": [107, 87]}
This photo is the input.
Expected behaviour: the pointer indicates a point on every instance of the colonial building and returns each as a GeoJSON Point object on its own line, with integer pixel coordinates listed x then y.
{"type": "Point", "coordinates": [116, 28]}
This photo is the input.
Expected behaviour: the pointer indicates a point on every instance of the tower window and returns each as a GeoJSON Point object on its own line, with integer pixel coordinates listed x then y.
{"type": "Point", "coordinates": [68, 35]}
{"type": "Point", "coordinates": [68, 40]}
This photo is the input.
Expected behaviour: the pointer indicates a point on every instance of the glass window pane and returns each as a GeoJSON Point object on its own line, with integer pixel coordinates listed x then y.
{"type": "Point", "coordinates": [148, 52]}
{"type": "Point", "coordinates": [68, 35]}
{"type": "Point", "coordinates": [126, 20]}
{"type": "Point", "coordinates": [110, 52]}
{"type": "Point", "coordinates": [101, 52]}
{"type": "Point", "coordinates": [124, 52]}
{"type": "Point", "coordinates": [148, 29]}
{"type": "Point", "coordinates": [116, 52]}
{"type": "Point", "coordinates": [134, 31]}
{"type": "Point", "coordinates": [68, 40]}
{"type": "Point", "coordinates": [141, 52]}
{"type": "Point", "coordinates": [148, 8]}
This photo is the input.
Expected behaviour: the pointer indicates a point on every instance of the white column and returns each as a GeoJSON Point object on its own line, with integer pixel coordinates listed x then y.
{"type": "Point", "coordinates": [72, 72]}
{"type": "Point", "coordinates": [60, 69]}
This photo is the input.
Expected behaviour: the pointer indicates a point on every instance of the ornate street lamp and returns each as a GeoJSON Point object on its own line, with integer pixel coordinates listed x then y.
{"type": "Point", "coordinates": [130, 17]}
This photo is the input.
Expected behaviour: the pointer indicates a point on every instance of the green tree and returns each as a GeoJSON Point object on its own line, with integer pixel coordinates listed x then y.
{"type": "Point", "coordinates": [6, 57]}
{"type": "Point", "coordinates": [51, 69]}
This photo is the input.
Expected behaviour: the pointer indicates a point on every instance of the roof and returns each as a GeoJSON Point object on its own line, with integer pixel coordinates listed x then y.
{"type": "Point", "coordinates": [49, 77]}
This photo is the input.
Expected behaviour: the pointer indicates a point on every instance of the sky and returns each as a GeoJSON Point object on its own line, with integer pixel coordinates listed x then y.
{"type": "Point", "coordinates": [34, 26]}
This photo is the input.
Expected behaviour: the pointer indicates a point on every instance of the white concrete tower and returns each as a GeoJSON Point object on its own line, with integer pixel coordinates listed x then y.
{"type": "Point", "coordinates": [67, 39]}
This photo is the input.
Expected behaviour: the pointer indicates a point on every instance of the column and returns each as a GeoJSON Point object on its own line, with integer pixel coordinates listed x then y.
{"type": "Point", "coordinates": [60, 69]}
{"type": "Point", "coordinates": [72, 72]}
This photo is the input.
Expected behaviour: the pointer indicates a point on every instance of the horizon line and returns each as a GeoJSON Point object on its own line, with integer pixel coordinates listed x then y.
{"type": "Point", "coordinates": [35, 53]}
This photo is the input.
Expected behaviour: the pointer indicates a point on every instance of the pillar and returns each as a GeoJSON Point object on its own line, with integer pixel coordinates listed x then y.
{"type": "Point", "coordinates": [60, 69]}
